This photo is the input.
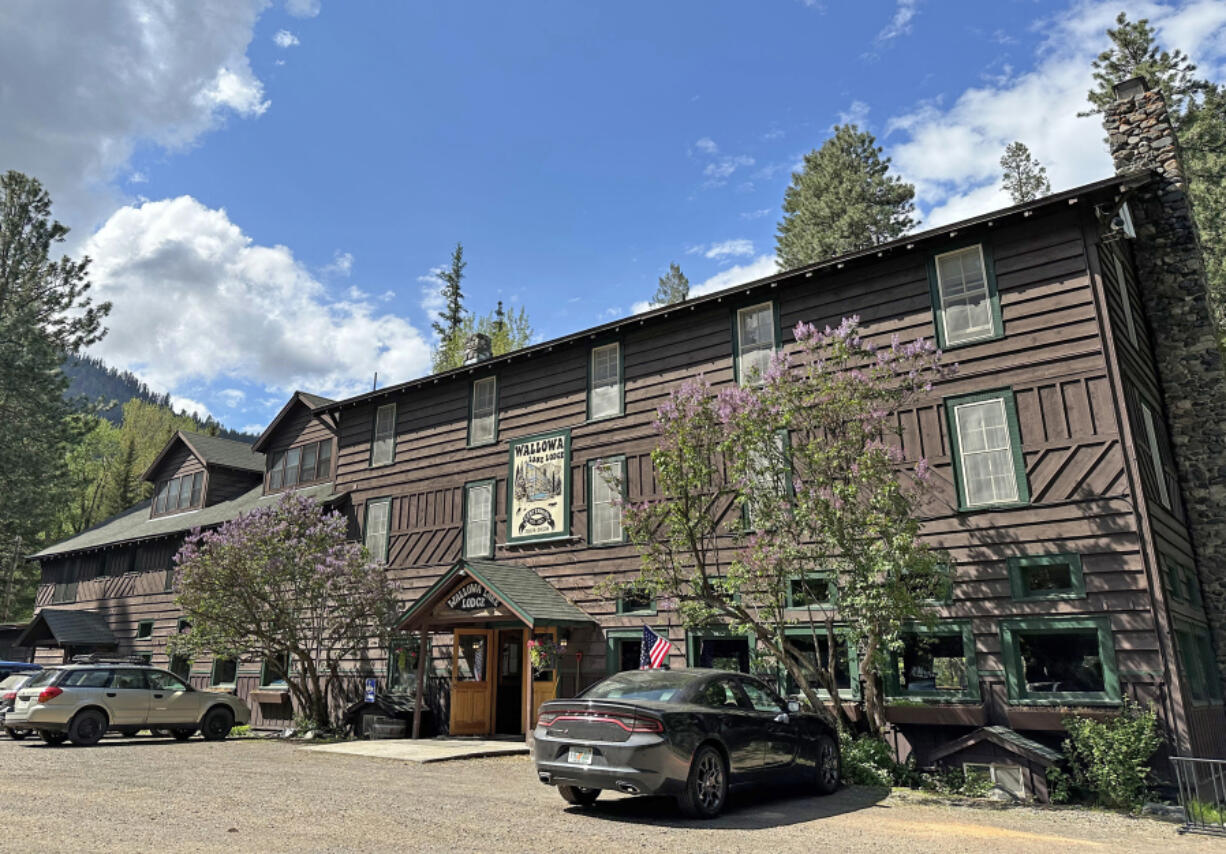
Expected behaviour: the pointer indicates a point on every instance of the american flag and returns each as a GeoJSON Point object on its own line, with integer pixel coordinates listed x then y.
{"type": "Point", "coordinates": [655, 650]}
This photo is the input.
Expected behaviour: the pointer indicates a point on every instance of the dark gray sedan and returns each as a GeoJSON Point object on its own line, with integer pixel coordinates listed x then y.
{"type": "Point", "coordinates": [692, 734]}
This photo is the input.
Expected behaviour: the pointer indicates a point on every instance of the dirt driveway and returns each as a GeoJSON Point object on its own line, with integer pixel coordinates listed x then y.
{"type": "Point", "coordinates": [253, 795]}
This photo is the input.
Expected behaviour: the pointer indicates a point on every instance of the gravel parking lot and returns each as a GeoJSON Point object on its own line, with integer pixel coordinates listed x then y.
{"type": "Point", "coordinates": [254, 795]}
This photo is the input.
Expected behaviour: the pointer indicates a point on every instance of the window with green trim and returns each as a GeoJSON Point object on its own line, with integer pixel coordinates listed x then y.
{"type": "Point", "coordinates": [719, 650]}
{"type": "Point", "coordinates": [937, 662]}
{"type": "Point", "coordinates": [964, 298]}
{"type": "Point", "coordinates": [604, 393]}
{"type": "Point", "coordinates": [624, 649]}
{"type": "Point", "coordinates": [986, 449]}
{"type": "Point", "coordinates": [1151, 451]}
{"type": "Point", "coordinates": [814, 589]}
{"type": "Point", "coordinates": [1054, 660]}
{"type": "Point", "coordinates": [402, 663]}
{"type": "Point", "coordinates": [181, 666]}
{"type": "Point", "coordinates": [144, 630]}
{"type": "Point", "coordinates": [275, 670]}
{"type": "Point", "coordinates": [383, 441]}
{"type": "Point", "coordinates": [144, 657]}
{"type": "Point", "coordinates": [636, 602]}
{"type": "Point", "coordinates": [1057, 576]}
{"type": "Point", "coordinates": [770, 473]}
{"type": "Point", "coordinates": [483, 412]}
{"type": "Point", "coordinates": [606, 487]}
{"type": "Point", "coordinates": [757, 338]}
{"type": "Point", "coordinates": [846, 675]}
{"type": "Point", "coordinates": [1191, 585]}
{"type": "Point", "coordinates": [378, 517]}
{"type": "Point", "coordinates": [479, 519]}
{"type": "Point", "coordinates": [225, 671]}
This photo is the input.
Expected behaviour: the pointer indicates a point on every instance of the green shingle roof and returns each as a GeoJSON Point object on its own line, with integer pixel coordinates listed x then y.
{"type": "Point", "coordinates": [135, 524]}
{"type": "Point", "coordinates": [519, 588]}
{"type": "Point", "coordinates": [68, 627]}
{"type": "Point", "coordinates": [214, 450]}
{"type": "Point", "coordinates": [1004, 737]}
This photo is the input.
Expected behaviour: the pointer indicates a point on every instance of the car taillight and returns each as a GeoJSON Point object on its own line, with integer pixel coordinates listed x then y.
{"type": "Point", "coordinates": [50, 693]}
{"type": "Point", "coordinates": [647, 725]}
{"type": "Point", "coordinates": [10, 696]}
{"type": "Point", "coordinates": [546, 718]}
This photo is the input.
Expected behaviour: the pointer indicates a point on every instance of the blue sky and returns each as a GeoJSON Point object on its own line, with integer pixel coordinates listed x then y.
{"type": "Point", "coordinates": [266, 188]}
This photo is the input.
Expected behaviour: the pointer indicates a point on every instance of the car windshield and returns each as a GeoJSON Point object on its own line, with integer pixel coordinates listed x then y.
{"type": "Point", "coordinates": [660, 685]}
{"type": "Point", "coordinates": [14, 681]}
{"type": "Point", "coordinates": [42, 677]}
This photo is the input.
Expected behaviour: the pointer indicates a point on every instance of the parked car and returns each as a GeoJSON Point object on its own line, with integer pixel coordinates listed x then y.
{"type": "Point", "coordinates": [8, 668]}
{"type": "Point", "coordinates": [8, 695]}
{"type": "Point", "coordinates": [693, 734]}
{"type": "Point", "coordinates": [80, 702]}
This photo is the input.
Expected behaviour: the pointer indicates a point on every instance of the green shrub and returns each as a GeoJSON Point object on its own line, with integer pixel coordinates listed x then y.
{"type": "Point", "coordinates": [954, 781]}
{"type": "Point", "coordinates": [1109, 760]}
{"type": "Point", "coordinates": [869, 761]}
{"type": "Point", "coordinates": [241, 731]}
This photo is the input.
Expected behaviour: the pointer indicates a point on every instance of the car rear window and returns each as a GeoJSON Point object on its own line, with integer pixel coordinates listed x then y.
{"type": "Point", "coordinates": [11, 682]}
{"type": "Point", "coordinates": [86, 679]}
{"type": "Point", "coordinates": [659, 685]}
{"type": "Point", "coordinates": [42, 677]}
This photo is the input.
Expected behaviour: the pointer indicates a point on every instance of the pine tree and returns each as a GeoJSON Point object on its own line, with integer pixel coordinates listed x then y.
{"type": "Point", "coordinates": [842, 200]}
{"type": "Point", "coordinates": [1024, 177]}
{"type": "Point", "coordinates": [507, 331]}
{"type": "Point", "coordinates": [673, 287]}
{"type": "Point", "coordinates": [453, 313]}
{"type": "Point", "coordinates": [1134, 53]}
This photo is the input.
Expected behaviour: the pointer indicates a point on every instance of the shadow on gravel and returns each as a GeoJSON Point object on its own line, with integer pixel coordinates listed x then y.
{"type": "Point", "coordinates": [753, 809]}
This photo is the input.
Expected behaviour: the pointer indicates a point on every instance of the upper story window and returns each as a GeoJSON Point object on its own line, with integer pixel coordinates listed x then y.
{"type": "Point", "coordinates": [964, 297]}
{"type": "Point", "coordinates": [479, 519]}
{"type": "Point", "coordinates": [383, 443]}
{"type": "Point", "coordinates": [483, 411]}
{"type": "Point", "coordinates": [1151, 450]}
{"type": "Point", "coordinates": [303, 464]}
{"type": "Point", "coordinates": [770, 478]}
{"type": "Point", "coordinates": [179, 493]}
{"type": "Point", "coordinates": [756, 341]}
{"type": "Point", "coordinates": [378, 516]}
{"type": "Point", "coordinates": [986, 449]}
{"type": "Point", "coordinates": [606, 485]}
{"type": "Point", "coordinates": [1121, 283]}
{"type": "Point", "coordinates": [604, 396]}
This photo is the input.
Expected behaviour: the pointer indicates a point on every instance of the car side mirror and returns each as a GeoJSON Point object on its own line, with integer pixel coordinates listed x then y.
{"type": "Point", "coordinates": [793, 706]}
{"type": "Point", "coordinates": [782, 718]}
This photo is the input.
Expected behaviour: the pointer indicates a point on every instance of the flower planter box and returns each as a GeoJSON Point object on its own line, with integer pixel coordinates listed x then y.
{"type": "Point", "coordinates": [947, 714]}
{"type": "Point", "coordinates": [269, 695]}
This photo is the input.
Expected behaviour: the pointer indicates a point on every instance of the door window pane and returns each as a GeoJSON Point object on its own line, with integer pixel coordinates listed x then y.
{"type": "Point", "coordinates": [629, 654]}
{"type": "Point", "coordinates": [986, 451]}
{"type": "Point", "coordinates": [479, 520]}
{"type": "Point", "coordinates": [966, 306]}
{"type": "Point", "coordinates": [481, 427]}
{"type": "Point", "coordinates": [606, 381]}
{"type": "Point", "coordinates": [470, 659]}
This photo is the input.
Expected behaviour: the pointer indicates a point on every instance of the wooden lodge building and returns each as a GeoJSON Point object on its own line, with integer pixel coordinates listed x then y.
{"type": "Point", "coordinates": [1078, 454]}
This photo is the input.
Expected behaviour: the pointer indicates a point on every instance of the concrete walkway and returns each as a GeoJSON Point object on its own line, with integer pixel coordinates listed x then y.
{"type": "Point", "coordinates": [425, 749]}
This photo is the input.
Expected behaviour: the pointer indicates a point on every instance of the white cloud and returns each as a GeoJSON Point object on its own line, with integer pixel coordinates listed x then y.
{"type": "Point", "coordinates": [900, 24]}
{"type": "Point", "coordinates": [231, 397]}
{"type": "Point", "coordinates": [729, 249]}
{"type": "Point", "coordinates": [138, 178]}
{"type": "Point", "coordinates": [706, 145]}
{"type": "Point", "coordinates": [952, 152]}
{"type": "Point", "coordinates": [610, 313]}
{"type": "Point", "coordinates": [302, 8]}
{"type": "Point", "coordinates": [758, 214]}
{"type": "Point", "coordinates": [856, 114]}
{"type": "Point", "coordinates": [760, 267]}
{"type": "Point", "coordinates": [224, 307]}
{"type": "Point", "coordinates": [284, 38]}
{"type": "Point", "coordinates": [723, 168]}
{"type": "Point", "coordinates": [187, 406]}
{"type": "Point", "coordinates": [342, 263]}
{"type": "Point", "coordinates": [99, 79]}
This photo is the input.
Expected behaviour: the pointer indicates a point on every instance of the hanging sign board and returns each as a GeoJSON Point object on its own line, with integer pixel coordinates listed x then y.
{"type": "Point", "coordinates": [538, 487]}
{"type": "Point", "coordinates": [471, 597]}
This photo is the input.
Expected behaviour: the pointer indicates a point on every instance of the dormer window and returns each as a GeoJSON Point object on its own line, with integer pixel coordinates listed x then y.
{"type": "Point", "coordinates": [299, 465]}
{"type": "Point", "coordinates": [179, 493]}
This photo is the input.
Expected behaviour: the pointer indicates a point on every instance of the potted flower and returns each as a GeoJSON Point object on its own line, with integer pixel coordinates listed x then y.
{"type": "Point", "coordinates": [543, 655]}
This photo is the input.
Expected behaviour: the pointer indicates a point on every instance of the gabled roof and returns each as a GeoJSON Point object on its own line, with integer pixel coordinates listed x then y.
{"type": "Point", "coordinates": [68, 627]}
{"type": "Point", "coordinates": [211, 451]}
{"type": "Point", "coordinates": [1103, 190]}
{"type": "Point", "coordinates": [310, 401]}
{"type": "Point", "coordinates": [518, 588]}
{"type": "Point", "coordinates": [134, 524]}
{"type": "Point", "coordinates": [1003, 737]}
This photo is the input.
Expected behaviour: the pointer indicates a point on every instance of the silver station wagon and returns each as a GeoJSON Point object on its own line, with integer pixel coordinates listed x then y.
{"type": "Point", "coordinates": [80, 702]}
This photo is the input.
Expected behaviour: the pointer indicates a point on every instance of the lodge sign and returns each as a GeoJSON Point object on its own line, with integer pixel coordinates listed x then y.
{"type": "Point", "coordinates": [471, 597]}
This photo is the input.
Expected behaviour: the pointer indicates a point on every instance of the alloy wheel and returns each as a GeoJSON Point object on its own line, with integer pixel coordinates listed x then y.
{"type": "Point", "coordinates": [829, 765]}
{"type": "Point", "coordinates": [710, 781]}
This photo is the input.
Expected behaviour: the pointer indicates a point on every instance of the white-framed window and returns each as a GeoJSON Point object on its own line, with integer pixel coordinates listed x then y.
{"type": "Point", "coordinates": [1125, 300]}
{"type": "Point", "coordinates": [1002, 776]}
{"type": "Point", "coordinates": [383, 443]}
{"type": "Point", "coordinates": [605, 483]}
{"type": "Point", "coordinates": [605, 389]}
{"type": "Point", "coordinates": [769, 475]}
{"type": "Point", "coordinates": [965, 296]}
{"type": "Point", "coordinates": [1153, 451]}
{"type": "Point", "coordinates": [755, 341]}
{"type": "Point", "coordinates": [986, 456]}
{"type": "Point", "coordinates": [378, 515]}
{"type": "Point", "coordinates": [482, 419]}
{"type": "Point", "coordinates": [479, 519]}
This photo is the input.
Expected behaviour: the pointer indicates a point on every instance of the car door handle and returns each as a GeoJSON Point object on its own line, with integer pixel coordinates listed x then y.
{"type": "Point", "coordinates": [111, 694]}
{"type": "Point", "coordinates": [157, 696]}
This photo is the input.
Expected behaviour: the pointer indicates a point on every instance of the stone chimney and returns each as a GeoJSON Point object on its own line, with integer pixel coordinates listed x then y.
{"type": "Point", "coordinates": [477, 348]}
{"type": "Point", "coordinates": [1171, 274]}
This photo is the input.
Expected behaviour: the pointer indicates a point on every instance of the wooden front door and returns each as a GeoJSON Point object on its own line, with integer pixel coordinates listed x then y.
{"type": "Point", "coordinates": [471, 682]}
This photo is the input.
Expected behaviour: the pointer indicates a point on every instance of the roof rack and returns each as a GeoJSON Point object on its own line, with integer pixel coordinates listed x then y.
{"type": "Point", "coordinates": [99, 659]}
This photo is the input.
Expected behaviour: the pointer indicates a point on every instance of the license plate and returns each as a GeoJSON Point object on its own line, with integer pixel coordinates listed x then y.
{"type": "Point", "coordinates": [580, 756]}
